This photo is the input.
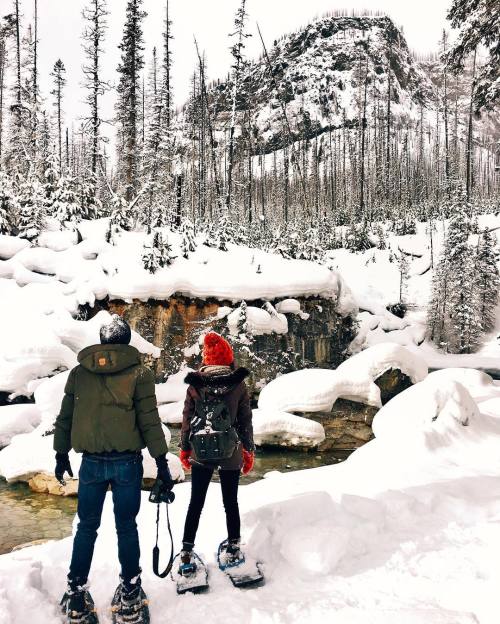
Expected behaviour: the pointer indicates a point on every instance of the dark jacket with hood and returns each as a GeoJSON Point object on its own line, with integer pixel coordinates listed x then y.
{"type": "Point", "coordinates": [221, 381]}
{"type": "Point", "coordinates": [109, 404]}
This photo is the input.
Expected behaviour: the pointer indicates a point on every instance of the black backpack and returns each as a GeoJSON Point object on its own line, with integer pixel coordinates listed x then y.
{"type": "Point", "coordinates": [212, 435]}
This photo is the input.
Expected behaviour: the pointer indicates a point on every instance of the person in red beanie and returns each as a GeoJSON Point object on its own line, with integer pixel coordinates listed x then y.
{"type": "Point", "coordinates": [221, 387]}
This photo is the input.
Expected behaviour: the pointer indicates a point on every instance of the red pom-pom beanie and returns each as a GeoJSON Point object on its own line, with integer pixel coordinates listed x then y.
{"type": "Point", "coordinates": [217, 351]}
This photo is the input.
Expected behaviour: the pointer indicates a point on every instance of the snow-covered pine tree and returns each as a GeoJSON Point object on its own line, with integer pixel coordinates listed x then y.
{"type": "Point", "coordinates": [310, 247]}
{"type": "Point", "coordinates": [281, 243]}
{"type": "Point", "coordinates": [188, 238]}
{"type": "Point", "coordinates": [157, 253]}
{"type": "Point", "coordinates": [478, 22]}
{"type": "Point", "coordinates": [59, 76]}
{"type": "Point", "coordinates": [244, 334]}
{"type": "Point", "coordinates": [437, 306]}
{"type": "Point", "coordinates": [129, 100]}
{"type": "Point", "coordinates": [456, 284]}
{"type": "Point", "coordinates": [120, 217]}
{"type": "Point", "coordinates": [65, 206]}
{"type": "Point", "coordinates": [356, 238]}
{"type": "Point", "coordinates": [7, 204]}
{"type": "Point", "coordinates": [379, 232]}
{"type": "Point", "coordinates": [404, 274]}
{"type": "Point", "coordinates": [488, 279]}
{"type": "Point", "coordinates": [32, 208]}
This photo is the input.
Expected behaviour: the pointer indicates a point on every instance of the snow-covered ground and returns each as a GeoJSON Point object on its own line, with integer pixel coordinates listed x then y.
{"type": "Point", "coordinates": [407, 530]}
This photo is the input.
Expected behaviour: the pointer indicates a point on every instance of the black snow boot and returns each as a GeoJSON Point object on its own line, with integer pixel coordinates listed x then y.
{"type": "Point", "coordinates": [130, 603]}
{"type": "Point", "coordinates": [77, 605]}
{"type": "Point", "coordinates": [187, 565]}
{"type": "Point", "coordinates": [230, 554]}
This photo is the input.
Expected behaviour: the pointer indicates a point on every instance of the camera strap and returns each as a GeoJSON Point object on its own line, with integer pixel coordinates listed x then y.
{"type": "Point", "coordinates": [156, 549]}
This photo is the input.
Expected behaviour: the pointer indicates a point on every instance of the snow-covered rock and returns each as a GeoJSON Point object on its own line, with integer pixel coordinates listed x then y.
{"type": "Point", "coordinates": [316, 390]}
{"type": "Point", "coordinates": [291, 306]}
{"type": "Point", "coordinates": [258, 321]}
{"type": "Point", "coordinates": [16, 419]}
{"type": "Point", "coordinates": [357, 374]}
{"type": "Point", "coordinates": [282, 429]}
{"type": "Point", "coordinates": [11, 245]}
{"type": "Point", "coordinates": [171, 413]}
{"type": "Point", "coordinates": [58, 240]}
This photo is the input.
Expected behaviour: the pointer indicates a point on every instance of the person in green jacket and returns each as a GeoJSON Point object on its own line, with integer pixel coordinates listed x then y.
{"type": "Point", "coordinates": [109, 413]}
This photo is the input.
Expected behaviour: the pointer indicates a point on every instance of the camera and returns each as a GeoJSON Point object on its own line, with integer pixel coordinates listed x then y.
{"type": "Point", "coordinates": [160, 494]}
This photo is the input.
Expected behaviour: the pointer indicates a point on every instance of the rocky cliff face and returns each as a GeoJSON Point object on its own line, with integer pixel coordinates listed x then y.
{"type": "Point", "coordinates": [176, 325]}
{"type": "Point", "coordinates": [320, 72]}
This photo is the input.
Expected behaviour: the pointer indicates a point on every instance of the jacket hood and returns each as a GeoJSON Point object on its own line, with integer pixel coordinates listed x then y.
{"type": "Point", "coordinates": [217, 380]}
{"type": "Point", "coordinates": [103, 359]}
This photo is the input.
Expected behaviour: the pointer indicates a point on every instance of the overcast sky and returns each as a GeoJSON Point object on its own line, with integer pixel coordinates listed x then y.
{"type": "Point", "coordinates": [60, 27]}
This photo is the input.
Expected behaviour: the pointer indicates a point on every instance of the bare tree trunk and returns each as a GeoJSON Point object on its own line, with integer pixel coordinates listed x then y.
{"type": "Point", "coordinates": [363, 133]}
{"type": "Point", "coordinates": [469, 153]}
{"type": "Point", "coordinates": [445, 114]}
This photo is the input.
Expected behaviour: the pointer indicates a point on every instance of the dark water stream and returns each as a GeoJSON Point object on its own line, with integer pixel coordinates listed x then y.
{"type": "Point", "coordinates": [27, 516]}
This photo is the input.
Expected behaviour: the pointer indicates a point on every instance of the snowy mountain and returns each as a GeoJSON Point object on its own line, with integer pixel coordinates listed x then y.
{"type": "Point", "coordinates": [320, 73]}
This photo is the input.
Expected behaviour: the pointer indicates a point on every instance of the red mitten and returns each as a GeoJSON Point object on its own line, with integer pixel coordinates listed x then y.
{"type": "Point", "coordinates": [184, 457]}
{"type": "Point", "coordinates": [248, 461]}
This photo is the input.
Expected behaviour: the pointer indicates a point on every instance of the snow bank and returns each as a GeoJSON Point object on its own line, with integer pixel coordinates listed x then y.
{"type": "Point", "coordinates": [32, 453]}
{"type": "Point", "coordinates": [16, 419]}
{"type": "Point", "coordinates": [282, 429]}
{"type": "Point", "coordinates": [373, 539]}
{"type": "Point", "coordinates": [174, 389]}
{"type": "Point", "coordinates": [100, 269]}
{"type": "Point", "coordinates": [316, 390]}
{"type": "Point", "coordinates": [433, 411]}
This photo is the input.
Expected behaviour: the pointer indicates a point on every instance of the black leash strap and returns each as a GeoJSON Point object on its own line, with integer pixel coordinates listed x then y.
{"type": "Point", "coordinates": [156, 549]}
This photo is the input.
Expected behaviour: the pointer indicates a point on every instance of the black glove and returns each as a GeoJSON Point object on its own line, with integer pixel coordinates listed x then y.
{"type": "Point", "coordinates": [164, 472]}
{"type": "Point", "coordinates": [62, 465]}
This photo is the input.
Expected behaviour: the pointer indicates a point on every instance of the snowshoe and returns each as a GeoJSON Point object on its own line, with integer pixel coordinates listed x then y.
{"type": "Point", "coordinates": [130, 606]}
{"type": "Point", "coordinates": [78, 607]}
{"type": "Point", "coordinates": [242, 571]}
{"type": "Point", "coordinates": [191, 574]}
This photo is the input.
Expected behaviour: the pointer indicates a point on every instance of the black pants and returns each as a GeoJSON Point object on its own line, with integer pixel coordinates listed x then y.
{"type": "Point", "coordinates": [200, 480]}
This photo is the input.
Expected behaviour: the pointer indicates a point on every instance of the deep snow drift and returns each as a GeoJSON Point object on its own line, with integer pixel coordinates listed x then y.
{"type": "Point", "coordinates": [407, 530]}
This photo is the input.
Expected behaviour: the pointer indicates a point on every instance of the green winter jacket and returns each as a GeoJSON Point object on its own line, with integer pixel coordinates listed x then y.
{"type": "Point", "coordinates": [109, 404]}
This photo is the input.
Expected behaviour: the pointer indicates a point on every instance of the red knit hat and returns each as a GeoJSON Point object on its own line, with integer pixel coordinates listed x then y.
{"type": "Point", "coordinates": [217, 351]}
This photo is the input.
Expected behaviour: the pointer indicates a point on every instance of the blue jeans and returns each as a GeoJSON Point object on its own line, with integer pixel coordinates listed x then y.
{"type": "Point", "coordinates": [123, 472]}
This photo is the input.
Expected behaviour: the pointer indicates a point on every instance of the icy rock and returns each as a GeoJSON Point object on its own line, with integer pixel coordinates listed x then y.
{"type": "Point", "coordinates": [47, 484]}
{"type": "Point", "coordinates": [281, 429]}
